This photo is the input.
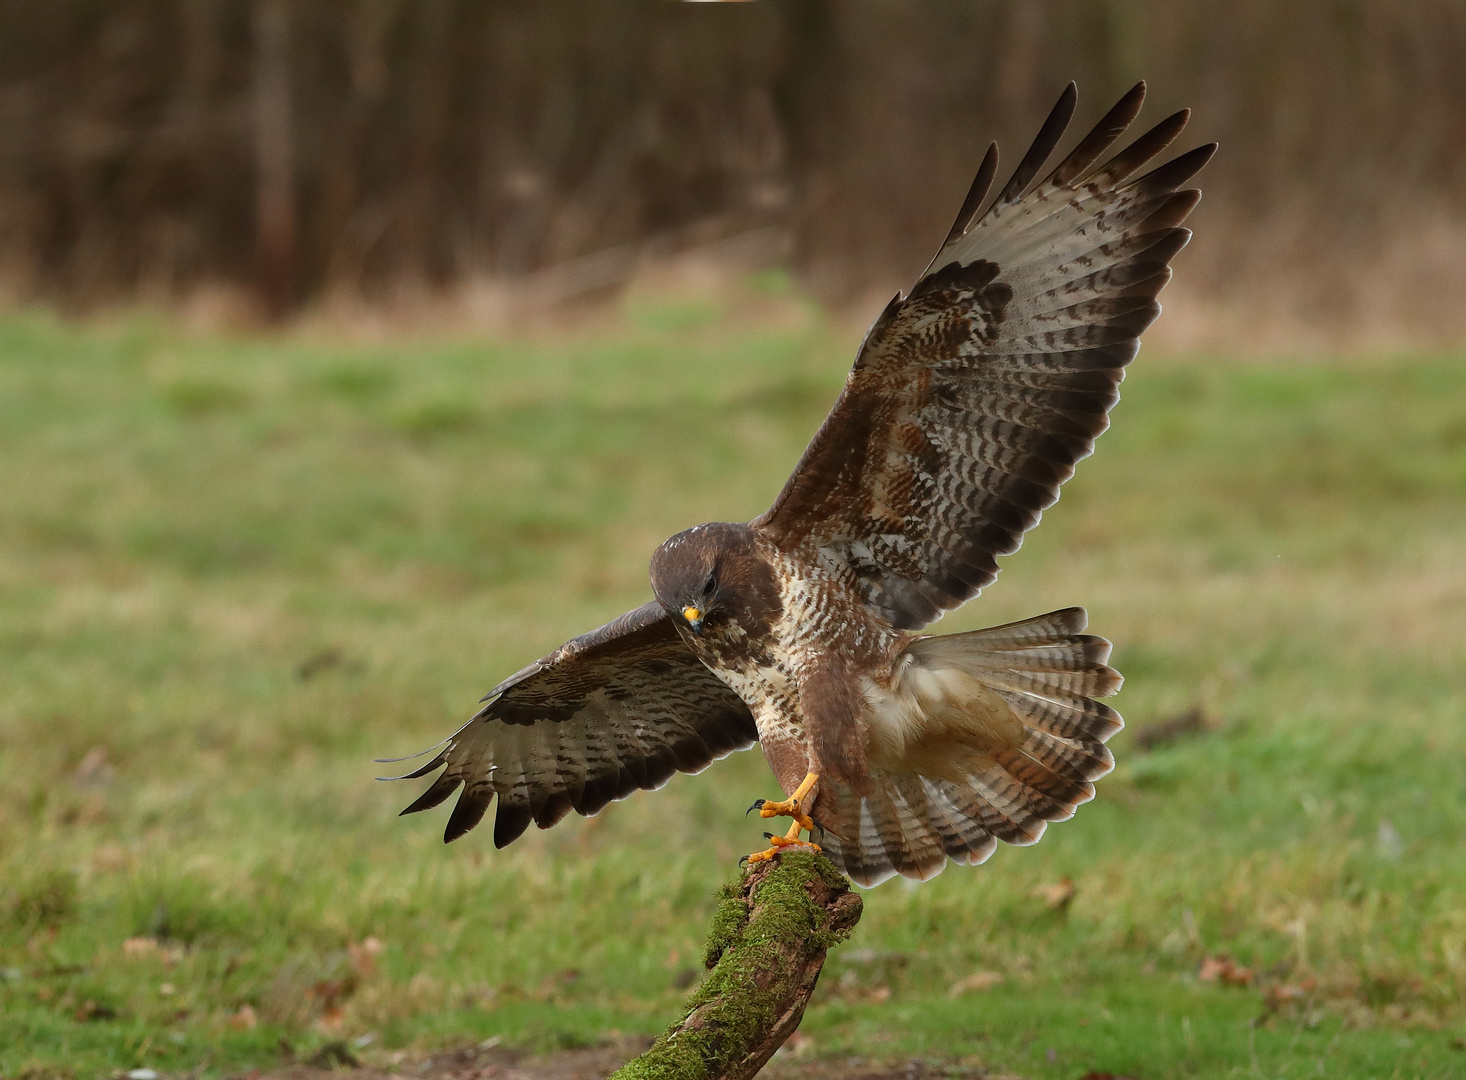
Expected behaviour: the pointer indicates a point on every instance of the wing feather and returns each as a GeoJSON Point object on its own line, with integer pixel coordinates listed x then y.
{"type": "Point", "coordinates": [972, 399]}
{"type": "Point", "coordinates": [619, 709]}
{"type": "Point", "coordinates": [1043, 145]}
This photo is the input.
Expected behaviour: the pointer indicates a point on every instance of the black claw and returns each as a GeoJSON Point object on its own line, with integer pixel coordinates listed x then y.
{"type": "Point", "coordinates": [768, 836]}
{"type": "Point", "coordinates": [743, 862]}
{"type": "Point", "coordinates": [758, 804]}
{"type": "Point", "coordinates": [818, 826]}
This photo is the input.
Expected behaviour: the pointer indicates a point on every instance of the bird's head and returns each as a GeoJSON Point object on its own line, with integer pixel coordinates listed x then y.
{"type": "Point", "coordinates": [709, 576]}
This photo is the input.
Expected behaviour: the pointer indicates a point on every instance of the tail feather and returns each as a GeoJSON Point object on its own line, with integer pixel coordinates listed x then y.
{"type": "Point", "coordinates": [1055, 795]}
{"type": "Point", "coordinates": [974, 844]}
{"type": "Point", "coordinates": [1052, 628]}
{"type": "Point", "coordinates": [860, 850]}
{"type": "Point", "coordinates": [1016, 772]}
{"type": "Point", "coordinates": [1051, 683]}
{"type": "Point", "coordinates": [924, 853]}
{"type": "Point", "coordinates": [1084, 760]}
{"type": "Point", "coordinates": [1014, 812]}
{"type": "Point", "coordinates": [1070, 718]}
{"type": "Point", "coordinates": [908, 825]}
{"type": "Point", "coordinates": [1084, 652]}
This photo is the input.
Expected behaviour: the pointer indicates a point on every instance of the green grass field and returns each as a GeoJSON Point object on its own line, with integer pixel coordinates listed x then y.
{"type": "Point", "coordinates": [233, 571]}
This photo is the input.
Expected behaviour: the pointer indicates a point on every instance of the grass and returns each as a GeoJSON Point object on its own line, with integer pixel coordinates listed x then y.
{"type": "Point", "coordinates": [232, 571]}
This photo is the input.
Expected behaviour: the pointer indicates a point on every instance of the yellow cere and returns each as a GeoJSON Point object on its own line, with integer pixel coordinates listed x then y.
{"type": "Point", "coordinates": [691, 614]}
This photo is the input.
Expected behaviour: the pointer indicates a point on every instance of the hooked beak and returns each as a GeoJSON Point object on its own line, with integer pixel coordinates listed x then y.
{"type": "Point", "coordinates": [693, 615]}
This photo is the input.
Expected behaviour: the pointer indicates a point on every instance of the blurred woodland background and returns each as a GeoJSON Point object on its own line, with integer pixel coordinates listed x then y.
{"type": "Point", "coordinates": [291, 152]}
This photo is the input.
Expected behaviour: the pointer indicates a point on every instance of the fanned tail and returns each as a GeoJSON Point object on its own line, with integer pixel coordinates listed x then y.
{"type": "Point", "coordinates": [1010, 739]}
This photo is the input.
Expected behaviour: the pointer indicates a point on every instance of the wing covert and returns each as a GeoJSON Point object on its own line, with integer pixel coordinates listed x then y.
{"type": "Point", "coordinates": [972, 399]}
{"type": "Point", "coordinates": [618, 709]}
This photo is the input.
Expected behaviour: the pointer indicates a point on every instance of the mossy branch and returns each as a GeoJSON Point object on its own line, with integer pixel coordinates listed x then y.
{"type": "Point", "coordinates": [766, 946]}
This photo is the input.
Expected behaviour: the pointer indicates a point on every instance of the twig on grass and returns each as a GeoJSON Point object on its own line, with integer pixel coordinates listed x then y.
{"type": "Point", "coordinates": [766, 946]}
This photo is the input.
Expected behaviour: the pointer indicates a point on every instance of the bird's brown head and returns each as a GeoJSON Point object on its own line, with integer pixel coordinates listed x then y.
{"type": "Point", "coordinates": [711, 578]}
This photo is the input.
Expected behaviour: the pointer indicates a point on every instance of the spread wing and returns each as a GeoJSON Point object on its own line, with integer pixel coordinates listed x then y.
{"type": "Point", "coordinates": [620, 708]}
{"type": "Point", "coordinates": [972, 399]}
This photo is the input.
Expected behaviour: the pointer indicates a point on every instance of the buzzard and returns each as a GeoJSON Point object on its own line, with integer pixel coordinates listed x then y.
{"type": "Point", "coordinates": [970, 402]}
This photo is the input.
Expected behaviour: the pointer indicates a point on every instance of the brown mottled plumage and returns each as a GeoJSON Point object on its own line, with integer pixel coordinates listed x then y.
{"type": "Point", "coordinates": [969, 403]}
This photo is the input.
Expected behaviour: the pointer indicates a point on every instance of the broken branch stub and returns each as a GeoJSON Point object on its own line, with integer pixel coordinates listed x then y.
{"type": "Point", "coordinates": [766, 946]}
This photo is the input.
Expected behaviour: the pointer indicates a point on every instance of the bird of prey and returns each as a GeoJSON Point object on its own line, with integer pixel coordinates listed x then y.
{"type": "Point", "coordinates": [970, 401]}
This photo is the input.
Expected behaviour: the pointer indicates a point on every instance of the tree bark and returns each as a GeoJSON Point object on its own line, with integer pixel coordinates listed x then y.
{"type": "Point", "coordinates": [766, 946]}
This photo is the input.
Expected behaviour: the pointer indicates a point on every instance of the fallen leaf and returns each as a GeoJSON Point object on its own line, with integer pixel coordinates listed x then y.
{"type": "Point", "coordinates": [330, 991]}
{"type": "Point", "coordinates": [364, 956]}
{"type": "Point", "coordinates": [93, 770]}
{"type": "Point", "coordinates": [245, 1019]}
{"type": "Point", "coordinates": [1191, 722]}
{"type": "Point", "coordinates": [1058, 895]}
{"type": "Point", "coordinates": [90, 1010]}
{"type": "Point", "coordinates": [320, 662]}
{"type": "Point", "coordinates": [1222, 968]}
{"type": "Point", "coordinates": [1282, 993]}
{"type": "Point", "coordinates": [975, 983]}
{"type": "Point", "coordinates": [139, 946]}
{"type": "Point", "coordinates": [109, 858]}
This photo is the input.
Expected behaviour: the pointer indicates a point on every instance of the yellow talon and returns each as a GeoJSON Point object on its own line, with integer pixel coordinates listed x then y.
{"type": "Point", "coordinates": [791, 839]}
{"type": "Point", "coordinates": [793, 806]}
{"type": "Point", "coordinates": [780, 843]}
{"type": "Point", "coordinates": [802, 822]}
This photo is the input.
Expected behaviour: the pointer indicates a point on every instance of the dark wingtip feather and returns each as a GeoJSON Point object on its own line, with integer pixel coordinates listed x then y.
{"type": "Point", "coordinates": [441, 788]}
{"type": "Point", "coordinates": [509, 823]}
{"type": "Point", "coordinates": [1178, 170]}
{"type": "Point", "coordinates": [975, 195]}
{"type": "Point", "coordinates": [553, 809]}
{"type": "Point", "coordinates": [1043, 145]}
{"type": "Point", "coordinates": [1101, 137]}
{"type": "Point", "coordinates": [469, 811]}
{"type": "Point", "coordinates": [1145, 147]}
{"type": "Point", "coordinates": [1171, 210]}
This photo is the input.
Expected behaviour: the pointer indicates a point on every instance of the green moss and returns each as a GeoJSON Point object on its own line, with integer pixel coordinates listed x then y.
{"type": "Point", "coordinates": [729, 918]}
{"type": "Point", "coordinates": [738, 1000]}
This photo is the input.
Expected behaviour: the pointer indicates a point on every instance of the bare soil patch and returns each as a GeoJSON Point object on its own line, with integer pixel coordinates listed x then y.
{"type": "Point", "coordinates": [472, 1063]}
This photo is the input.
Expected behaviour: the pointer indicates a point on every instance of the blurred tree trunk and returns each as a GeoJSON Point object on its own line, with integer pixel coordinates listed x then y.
{"type": "Point", "coordinates": [274, 157]}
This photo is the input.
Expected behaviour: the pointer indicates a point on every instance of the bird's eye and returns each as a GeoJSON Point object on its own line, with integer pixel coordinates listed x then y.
{"type": "Point", "coordinates": [710, 585]}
